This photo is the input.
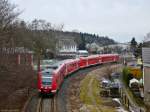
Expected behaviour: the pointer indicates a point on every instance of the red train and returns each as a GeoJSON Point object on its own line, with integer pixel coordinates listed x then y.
{"type": "Point", "coordinates": [50, 79]}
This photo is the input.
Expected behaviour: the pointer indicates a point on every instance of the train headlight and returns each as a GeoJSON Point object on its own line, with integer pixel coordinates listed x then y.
{"type": "Point", "coordinates": [49, 87]}
{"type": "Point", "coordinates": [53, 91]}
{"type": "Point", "coordinates": [39, 90]}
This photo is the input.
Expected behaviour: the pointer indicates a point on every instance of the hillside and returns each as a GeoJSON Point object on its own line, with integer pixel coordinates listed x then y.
{"type": "Point", "coordinates": [85, 38]}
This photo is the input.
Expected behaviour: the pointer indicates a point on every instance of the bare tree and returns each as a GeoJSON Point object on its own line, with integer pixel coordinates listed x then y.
{"type": "Point", "coordinates": [8, 14]}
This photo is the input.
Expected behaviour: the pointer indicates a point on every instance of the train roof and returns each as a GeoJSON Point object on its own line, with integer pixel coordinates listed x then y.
{"type": "Point", "coordinates": [90, 56]}
{"type": "Point", "coordinates": [108, 55]}
{"type": "Point", "coordinates": [59, 63]}
{"type": "Point", "coordinates": [71, 60]}
{"type": "Point", "coordinates": [48, 61]}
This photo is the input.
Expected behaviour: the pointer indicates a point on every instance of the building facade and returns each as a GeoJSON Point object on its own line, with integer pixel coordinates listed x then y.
{"type": "Point", "coordinates": [66, 47]}
{"type": "Point", "coordinates": [146, 73]}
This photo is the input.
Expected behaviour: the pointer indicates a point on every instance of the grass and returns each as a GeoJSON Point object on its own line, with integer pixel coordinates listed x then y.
{"type": "Point", "coordinates": [84, 91]}
{"type": "Point", "coordinates": [93, 102]}
{"type": "Point", "coordinates": [96, 91]}
{"type": "Point", "coordinates": [135, 99]}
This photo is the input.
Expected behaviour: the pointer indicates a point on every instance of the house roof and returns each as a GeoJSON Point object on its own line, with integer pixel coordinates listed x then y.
{"type": "Point", "coordinates": [67, 42]}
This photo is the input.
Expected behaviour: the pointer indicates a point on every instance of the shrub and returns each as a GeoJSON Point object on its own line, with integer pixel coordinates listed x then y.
{"type": "Point", "coordinates": [126, 76]}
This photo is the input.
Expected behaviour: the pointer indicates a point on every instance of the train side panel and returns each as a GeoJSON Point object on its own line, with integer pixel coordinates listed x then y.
{"type": "Point", "coordinates": [117, 58]}
{"type": "Point", "coordinates": [72, 66]}
{"type": "Point", "coordinates": [39, 82]}
{"type": "Point", "coordinates": [93, 60]}
{"type": "Point", "coordinates": [83, 62]}
{"type": "Point", "coordinates": [100, 59]}
{"type": "Point", "coordinates": [55, 84]}
{"type": "Point", "coordinates": [109, 58]}
{"type": "Point", "coordinates": [59, 77]}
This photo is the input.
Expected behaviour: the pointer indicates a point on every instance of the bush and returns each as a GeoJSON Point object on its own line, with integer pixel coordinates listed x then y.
{"type": "Point", "coordinates": [127, 76]}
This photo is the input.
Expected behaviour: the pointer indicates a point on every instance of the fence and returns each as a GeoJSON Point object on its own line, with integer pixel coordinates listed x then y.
{"type": "Point", "coordinates": [127, 102]}
{"type": "Point", "coordinates": [14, 56]}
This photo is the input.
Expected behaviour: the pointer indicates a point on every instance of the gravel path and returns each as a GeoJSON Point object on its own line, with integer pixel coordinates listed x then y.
{"type": "Point", "coordinates": [71, 82]}
{"type": "Point", "coordinates": [32, 106]}
{"type": "Point", "coordinates": [46, 106]}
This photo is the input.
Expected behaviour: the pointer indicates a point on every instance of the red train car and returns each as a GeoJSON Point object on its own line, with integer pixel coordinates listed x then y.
{"type": "Point", "coordinates": [106, 58]}
{"type": "Point", "coordinates": [88, 61]}
{"type": "Point", "coordinates": [59, 75]}
{"type": "Point", "coordinates": [50, 80]}
{"type": "Point", "coordinates": [83, 62]}
{"type": "Point", "coordinates": [116, 57]}
{"type": "Point", "coordinates": [72, 65]}
{"type": "Point", "coordinates": [93, 60]}
{"type": "Point", "coordinates": [46, 81]}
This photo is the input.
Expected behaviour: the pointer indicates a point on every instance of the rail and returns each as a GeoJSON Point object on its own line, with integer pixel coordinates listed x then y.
{"type": "Point", "coordinates": [126, 101]}
{"type": "Point", "coordinates": [46, 105]}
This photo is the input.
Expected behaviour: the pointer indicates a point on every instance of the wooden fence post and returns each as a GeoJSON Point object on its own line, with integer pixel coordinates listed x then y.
{"type": "Point", "coordinates": [18, 59]}
{"type": "Point", "coordinates": [128, 103]}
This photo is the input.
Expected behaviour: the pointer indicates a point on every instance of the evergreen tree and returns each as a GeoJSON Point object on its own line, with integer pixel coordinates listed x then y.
{"type": "Point", "coordinates": [82, 44]}
{"type": "Point", "coordinates": [133, 45]}
{"type": "Point", "coordinates": [138, 51]}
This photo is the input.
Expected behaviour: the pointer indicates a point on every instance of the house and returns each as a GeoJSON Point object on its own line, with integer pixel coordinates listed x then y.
{"type": "Point", "coordinates": [115, 48]}
{"type": "Point", "coordinates": [66, 47]}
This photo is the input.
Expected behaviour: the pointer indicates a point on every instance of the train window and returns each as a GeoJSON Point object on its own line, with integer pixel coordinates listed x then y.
{"type": "Point", "coordinates": [47, 73]}
{"type": "Point", "coordinates": [46, 62]}
{"type": "Point", "coordinates": [52, 67]}
{"type": "Point", "coordinates": [73, 64]}
{"type": "Point", "coordinates": [46, 80]}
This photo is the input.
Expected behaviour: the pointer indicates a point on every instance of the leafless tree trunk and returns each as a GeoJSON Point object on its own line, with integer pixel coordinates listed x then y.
{"type": "Point", "coordinates": [7, 16]}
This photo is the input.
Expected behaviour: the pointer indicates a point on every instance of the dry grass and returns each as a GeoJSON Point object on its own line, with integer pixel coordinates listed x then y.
{"type": "Point", "coordinates": [93, 101]}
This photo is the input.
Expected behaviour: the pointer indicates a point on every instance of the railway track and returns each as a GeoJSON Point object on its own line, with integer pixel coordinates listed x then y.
{"type": "Point", "coordinates": [46, 105]}
{"type": "Point", "coordinates": [58, 103]}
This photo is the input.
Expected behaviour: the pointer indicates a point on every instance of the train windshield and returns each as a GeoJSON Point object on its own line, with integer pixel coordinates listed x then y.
{"type": "Point", "coordinates": [46, 80]}
{"type": "Point", "coordinates": [47, 77]}
{"type": "Point", "coordinates": [47, 62]}
{"type": "Point", "coordinates": [47, 74]}
{"type": "Point", "coordinates": [52, 67]}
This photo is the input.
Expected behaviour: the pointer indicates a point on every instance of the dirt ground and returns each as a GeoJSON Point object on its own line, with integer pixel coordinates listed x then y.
{"type": "Point", "coordinates": [16, 85]}
{"type": "Point", "coordinates": [75, 103]}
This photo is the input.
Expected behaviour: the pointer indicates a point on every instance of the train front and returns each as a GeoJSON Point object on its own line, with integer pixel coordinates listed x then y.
{"type": "Point", "coordinates": [46, 82]}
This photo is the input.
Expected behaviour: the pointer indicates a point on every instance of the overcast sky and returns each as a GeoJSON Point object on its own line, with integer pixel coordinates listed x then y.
{"type": "Point", "coordinates": [118, 19]}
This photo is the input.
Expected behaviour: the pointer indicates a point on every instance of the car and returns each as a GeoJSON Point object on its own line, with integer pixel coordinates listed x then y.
{"type": "Point", "coordinates": [119, 106]}
{"type": "Point", "coordinates": [115, 75]}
